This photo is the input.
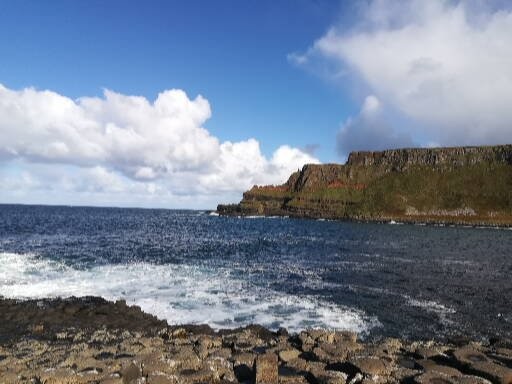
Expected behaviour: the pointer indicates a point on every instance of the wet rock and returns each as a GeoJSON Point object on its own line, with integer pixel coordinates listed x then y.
{"type": "Point", "coordinates": [266, 369]}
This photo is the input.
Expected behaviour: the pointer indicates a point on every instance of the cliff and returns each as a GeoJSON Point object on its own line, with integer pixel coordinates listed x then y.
{"type": "Point", "coordinates": [465, 185]}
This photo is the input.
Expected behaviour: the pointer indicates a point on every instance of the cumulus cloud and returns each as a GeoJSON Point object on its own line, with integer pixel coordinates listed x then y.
{"type": "Point", "coordinates": [447, 65]}
{"type": "Point", "coordinates": [138, 138]}
{"type": "Point", "coordinates": [127, 144]}
{"type": "Point", "coordinates": [369, 131]}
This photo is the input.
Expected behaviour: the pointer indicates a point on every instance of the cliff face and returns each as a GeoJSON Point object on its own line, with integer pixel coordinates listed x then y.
{"type": "Point", "coordinates": [437, 157]}
{"type": "Point", "coordinates": [470, 185]}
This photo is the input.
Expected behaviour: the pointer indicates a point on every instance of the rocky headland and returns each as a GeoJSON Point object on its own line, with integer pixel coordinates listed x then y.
{"type": "Point", "coordinates": [91, 340]}
{"type": "Point", "coordinates": [460, 185]}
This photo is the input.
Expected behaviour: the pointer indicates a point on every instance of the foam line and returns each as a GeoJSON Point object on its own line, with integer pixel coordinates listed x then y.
{"type": "Point", "coordinates": [178, 293]}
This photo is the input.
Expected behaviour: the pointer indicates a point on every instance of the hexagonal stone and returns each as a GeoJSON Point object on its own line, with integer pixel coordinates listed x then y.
{"type": "Point", "coordinates": [492, 371]}
{"type": "Point", "coordinates": [243, 366]}
{"type": "Point", "coordinates": [427, 352]}
{"type": "Point", "coordinates": [434, 378]}
{"type": "Point", "coordinates": [266, 369]}
{"type": "Point", "coordinates": [289, 375]}
{"type": "Point", "coordinates": [331, 377]}
{"type": "Point", "coordinates": [193, 377]}
{"type": "Point", "coordinates": [298, 364]}
{"type": "Point", "coordinates": [289, 354]}
{"type": "Point", "coordinates": [469, 379]}
{"type": "Point", "coordinates": [467, 356]}
{"type": "Point", "coordinates": [371, 365]}
{"type": "Point", "coordinates": [429, 365]}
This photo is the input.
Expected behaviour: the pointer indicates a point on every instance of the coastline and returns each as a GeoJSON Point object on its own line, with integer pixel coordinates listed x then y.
{"type": "Point", "coordinates": [91, 340]}
{"type": "Point", "coordinates": [450, 186]}
{"type": "Point", "coordinates": [397, 219]}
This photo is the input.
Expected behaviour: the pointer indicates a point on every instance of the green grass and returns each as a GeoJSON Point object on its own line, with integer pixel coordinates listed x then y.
{"type": "Point", "coordinates": [484, 187]}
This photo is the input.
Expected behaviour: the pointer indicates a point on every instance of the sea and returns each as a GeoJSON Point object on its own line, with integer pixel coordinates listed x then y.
{"type": "Point", "coordinates": [193, 267]}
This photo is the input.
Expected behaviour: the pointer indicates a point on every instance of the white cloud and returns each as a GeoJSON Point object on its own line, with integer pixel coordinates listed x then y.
{"type": "Point", "coordinates": [118, 144]}
{"type": "Point", "coordinates": [127, 133]}
{"type": "Point", "coordinates": [447, 65]}
{"type": "Point", "coordinates": [369, 131]}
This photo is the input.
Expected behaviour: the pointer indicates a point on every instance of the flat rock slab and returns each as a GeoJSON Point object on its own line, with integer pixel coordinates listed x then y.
{"type": "Point", "coordinates": [370, 365]}
{"type": "Point", "coordinates": [432, 366]}
{"type": "Point", "coordinates": [289, 355]}
{"type": "Point", "coordinates": [467, 356]}
{"type": "Point", "coordinates": [439, 378]}
{"type": "Point", "coordinates": [492, 371]}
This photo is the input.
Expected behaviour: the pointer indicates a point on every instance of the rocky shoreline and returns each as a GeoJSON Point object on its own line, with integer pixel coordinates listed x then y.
{"type": "Point", "coordinates": [91, 340]}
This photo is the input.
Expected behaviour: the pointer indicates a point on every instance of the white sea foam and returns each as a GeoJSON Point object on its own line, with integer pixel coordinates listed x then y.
{"type": "Point", "coordinates": [178, 293]}
{"type": "Point", "coordinates": [441, 310]}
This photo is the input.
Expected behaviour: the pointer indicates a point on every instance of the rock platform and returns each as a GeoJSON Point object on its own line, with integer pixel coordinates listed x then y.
{"type": "Point", "coordinates": [91, 340]}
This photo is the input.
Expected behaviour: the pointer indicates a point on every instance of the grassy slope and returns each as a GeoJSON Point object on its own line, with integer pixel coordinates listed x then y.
{"type": "Point", "coordinates": [485, 188]}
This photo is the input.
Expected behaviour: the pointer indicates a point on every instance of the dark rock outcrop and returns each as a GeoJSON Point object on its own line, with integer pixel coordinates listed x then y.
{"type": "Point", "coordinates": [78, 348]}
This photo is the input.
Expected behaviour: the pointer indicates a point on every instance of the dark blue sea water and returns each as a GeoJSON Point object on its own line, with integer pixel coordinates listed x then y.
{"type": "Point", "coordinates": [190, 267]}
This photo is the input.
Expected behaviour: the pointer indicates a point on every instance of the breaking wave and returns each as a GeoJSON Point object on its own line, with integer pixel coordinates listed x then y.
{"type": "Point", "coordinates": [178, 293]}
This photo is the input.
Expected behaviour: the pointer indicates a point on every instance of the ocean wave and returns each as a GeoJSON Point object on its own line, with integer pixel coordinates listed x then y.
{"type": "Point", "coordinates": [178, 293]}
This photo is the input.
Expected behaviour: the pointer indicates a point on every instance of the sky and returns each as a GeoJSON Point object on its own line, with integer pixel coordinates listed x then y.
{"type": "Point", "coordinates": [186, 104]}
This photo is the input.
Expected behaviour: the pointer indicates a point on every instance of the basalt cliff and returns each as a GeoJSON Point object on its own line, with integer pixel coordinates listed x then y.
{"type": "Point", "coordinates": [460, 185]}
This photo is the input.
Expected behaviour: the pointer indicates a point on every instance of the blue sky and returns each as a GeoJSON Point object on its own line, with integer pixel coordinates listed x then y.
{"type": "Point", "coordinates": [100, 105]}
{"type": "Point", "coordinates": [234, 53]}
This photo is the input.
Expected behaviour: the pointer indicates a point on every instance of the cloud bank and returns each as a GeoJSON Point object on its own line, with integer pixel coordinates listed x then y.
{"type": "Point", "coordinates": [370, 131]}
{"type": "Point", "coordinates": [119, 144]}
{"type": "Point", "coordinates": [445, 65]}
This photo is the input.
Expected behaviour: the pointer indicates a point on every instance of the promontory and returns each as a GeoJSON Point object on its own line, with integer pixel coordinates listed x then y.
{"type": "Point", "coordinates": [458, 185]}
